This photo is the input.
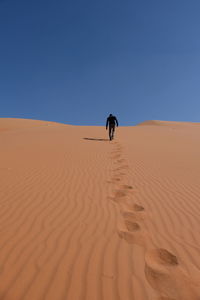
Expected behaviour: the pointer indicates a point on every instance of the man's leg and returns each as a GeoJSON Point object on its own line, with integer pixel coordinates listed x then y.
{"type": "Point", "coordinates": [110, 132]}
{"type": "Point", "coordinates": [113, 131]}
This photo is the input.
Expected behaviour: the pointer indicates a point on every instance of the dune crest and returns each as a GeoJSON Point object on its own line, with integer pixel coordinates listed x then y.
{"type": "Point", "coordinates": [167, 123]}
{"type": "Point", "coordinates": [11, 123]}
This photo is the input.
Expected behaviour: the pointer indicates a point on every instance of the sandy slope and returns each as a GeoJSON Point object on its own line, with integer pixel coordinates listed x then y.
{"type": "Point", "coordinates": [85, 218]}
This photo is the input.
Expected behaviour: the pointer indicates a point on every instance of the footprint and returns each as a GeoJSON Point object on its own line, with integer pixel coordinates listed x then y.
{"type": "Point", "coordinates": [114, 179]}
{"type": "Point", "coordinates": [117, 173]}
{"type": "Point", "coordinates": [126, 187]}
{"type": "Point", "coordinates": [120, 194]}
{"type": "Point", "coordinates": [135, 237]}
{"type": "Point", "coordinates": [117, 200]}
{"type": "Point", "coordinates": [121, 160]}
{"type": "Point", "coordinates": [132, 216]}
{"type": "Point", "coordinates": [163, 272]}
{"type": "Point", "coordinates": [128, 205]}
{"type": "Point", "coordinates": [158, 275]}
{"type": "Point", "coordinates": [118, 156]}
{"type": "Point", "coordinates": [138, 207]}
{"type": "Point", "coordinates": [109, 181]}
{"type": "Point", "coordinates": [132, 226]}
{"type": "Point", "coordinates": [135, 207]}
{"type": "Point", "coordinates": [162, 257]}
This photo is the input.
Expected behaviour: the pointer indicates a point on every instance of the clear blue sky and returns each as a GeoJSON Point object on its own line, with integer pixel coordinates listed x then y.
{"type": "Point", "coordinates": [76, 61]}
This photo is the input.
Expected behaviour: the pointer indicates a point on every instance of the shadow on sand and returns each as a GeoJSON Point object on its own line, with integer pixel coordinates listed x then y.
{"type": "Point", "coordinates": [99, 140]}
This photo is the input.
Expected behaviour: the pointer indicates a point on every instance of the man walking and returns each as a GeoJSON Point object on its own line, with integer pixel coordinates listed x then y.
{"type": "Point", "coordinates": [111, 122]}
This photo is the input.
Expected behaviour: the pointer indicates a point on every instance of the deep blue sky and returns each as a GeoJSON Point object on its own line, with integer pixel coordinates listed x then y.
{"type": "Point", "coordinates": [76, 61]}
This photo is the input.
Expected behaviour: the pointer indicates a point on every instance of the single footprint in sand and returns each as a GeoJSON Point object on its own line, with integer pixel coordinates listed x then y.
{"type": "Point", "coordinates": [133, 237]}
{"type": "Point", "coordinates": [132, 216]}
{"type": "Point", "coordinates": [135, 207]}
{"type": "Point", "coordinates": [109, 181]}
{"type": "Point", "coordinates": [164, 274]}
{"type": "Point", "coordinates": [118, 173]}
{"type": "Point", "coordinates": [114, 179]}
{"type": "Point", "coordinates": [162, 257]}
{"type": "Point", "coordinates": [138, 207]}
{"type": "Point", "coordinates": [126, 187]}
{"type": "Point", "coordinates": [132, 226]}
{"type": "Point", "coordinates": [121, 160]}
{"type": "Point", "coordinates": [130, 206]}
{"type": "Point", "coordinates": [121, 173]}
{"type": "Point", "coordinates": [120, 194]}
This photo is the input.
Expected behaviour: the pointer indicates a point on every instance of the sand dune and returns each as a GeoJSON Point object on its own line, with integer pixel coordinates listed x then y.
{"type": "Point", "coordinates": [168, 123]}
{"type": "Point", "coordinates": [83, 218]}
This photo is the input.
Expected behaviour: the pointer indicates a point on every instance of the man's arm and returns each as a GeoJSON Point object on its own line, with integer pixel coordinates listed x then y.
{"type": "Point", "coordinates": [116, 122]}
{"type": "Point", "coordinates": [107, 124]}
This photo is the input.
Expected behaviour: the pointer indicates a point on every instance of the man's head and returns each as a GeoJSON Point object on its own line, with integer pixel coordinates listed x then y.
{"type": "Point", "coordinates": [110, 115]}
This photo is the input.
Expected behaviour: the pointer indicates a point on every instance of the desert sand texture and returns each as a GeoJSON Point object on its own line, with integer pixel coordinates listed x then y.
{"type": "Point", "coordinates": [83, 218]}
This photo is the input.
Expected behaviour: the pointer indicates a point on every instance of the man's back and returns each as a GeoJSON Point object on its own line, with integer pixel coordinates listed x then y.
{"type": "Point", "coordinates": [112, 120]}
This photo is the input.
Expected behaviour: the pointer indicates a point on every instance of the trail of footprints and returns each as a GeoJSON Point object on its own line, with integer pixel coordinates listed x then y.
{"type": "Point", "coordinates": [162, 269]}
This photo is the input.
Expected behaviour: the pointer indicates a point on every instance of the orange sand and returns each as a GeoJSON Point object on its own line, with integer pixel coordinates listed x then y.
{"type": "Point", "coordinates": [83, 218]}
